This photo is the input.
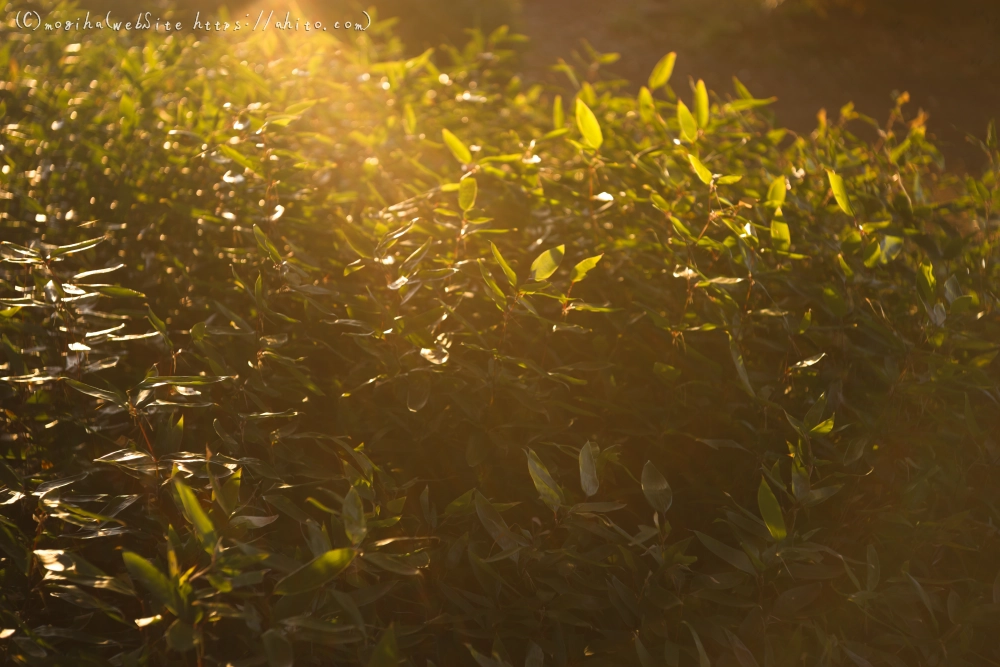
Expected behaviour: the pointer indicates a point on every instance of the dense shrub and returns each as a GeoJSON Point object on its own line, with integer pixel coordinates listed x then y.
{"type": "Point", "coordinates": [315, 354]}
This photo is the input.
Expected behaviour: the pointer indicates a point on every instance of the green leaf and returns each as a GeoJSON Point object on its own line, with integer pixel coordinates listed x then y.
{"type": "Point", "coordinates": [265, 245]}
{"type": "Point", "coordinates": [240, 159]}
{"type": "Point", "coordinates": [701, 106]}
{"type": "Point", "coordinates": [587, 123]}
{"type": "Point", "coordinates": [457, 148]}
{"type": "Point", "coordinates": [354, 517]}
{"type": "Point", "coordinates": [154, 581]}
{"type": "Point", "coordinates": [467, 190]}
{"type": "Point", "coordinates": [558, 115]}
{"type": "Point", "coordinates": [534, 657]}
{"type": "Point", "coordinates": [704, 175]}
{"type": "Point", "coordinates": [409, 119]}
{"type": "Point", "coordinates": [547, 488]}
{"type": "Point", "coordinates": [277, 649]}
{"type": "Point", "coordinates": [689, 128]}
{"type": "Point", "coordinates": [111, 396]}
{"type": "Point", "coordinates": [662, 71]}
{"type": "Point", "coordinates": [703, 660]}
{"type": "Point", "coordinates": [872, 568]}
{"type": "Point", "coordinates": [840, 192]}
{"type": "Point", "coordinates": [180, 636]}
{"type": "Point", "coordinates": [667, 373]}
{"type": "Point", "coordinates": [546, 263]}
{"type": "Point", "coordinates": [781, 238]}
{"type": "Point", "coordinates": [734, 557]}
{"type": "Point", "coordinates": [770, 510]}
{"type": "Point", "coordinates": [581, 270]}
{"type": "Point", "coordinates": [316, 573]}
{"type": "Point", "coordinates": [120, 292]}
{"type": "Point", "coordinates": [647, 107]}
{"type": "Point", "coordinates": [509, 272]}
{"type": "Point", "coordinates": [195, 515]}
{"type": "Point", "coordinates": [926, 281]}
{"type": "Point", "coordinates": [656, 489]}
{"type": "Point", "coordinates": [386, 653]}
{"type": "Point", "coordinates": [777, 190]}
{"type": "Point", "coordinates": [497, 294]}
{"type": "Point", "coordinates": [588, 469]}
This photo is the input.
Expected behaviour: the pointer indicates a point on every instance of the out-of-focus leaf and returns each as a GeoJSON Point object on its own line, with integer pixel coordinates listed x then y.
{"type": "Point", "coordinates": [770, 510]}
{"type": "Point", "coordinates": [654, 486]}
{"type": "Point", "coordinates": [587, 123]}
{"type": "Point", "coordinates": [547, 263]}
{"type": "Point", "coordinates": [316, 573]}
{"type": "Point", "coordinates": [549, 491]}
{"type": "Point", "coordinates": [457, 148]}
{"type": "Point", "coordinates": [588, 469]}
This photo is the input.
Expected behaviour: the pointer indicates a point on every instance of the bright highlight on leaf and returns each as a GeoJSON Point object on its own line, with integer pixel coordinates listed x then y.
{"type": "Point", "coordinates": [547, 263]}
{"type": "Point", "coordinates": [547, 488]}
{"type": "Point", "coordinates": [701, 104]}
{"type": "Point", "coordinates": [703, 173]}
{"type": "Point", "coordinates": [689, 127]}
{"type": "Point", "coordinates": [558, 115]}
{"type": "Point", "coordinates": [467, 191]}
{"type": "Point", "coordinates": [770, 510]}
{"type": "Point", "coordinates": [587, 123]}
{"type": "Point", "coordinates": [777, 190]}
{"type": "Point", "coordinates": [662, 71]}
{"type": "Point", "coordinates": [457, 148]}
{"type": "Point", "coordinates": [582, 268]}
{"type": "Point", "coordinates": [839, 192]}
{"type": "Point", "coordinates": [315, 573]}
{"type": "Point", "coordinates": [509, 272]}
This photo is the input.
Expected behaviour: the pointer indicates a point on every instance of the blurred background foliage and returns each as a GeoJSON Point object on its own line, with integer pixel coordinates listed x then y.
{"type": "Point", "coordinates": [326, 351]}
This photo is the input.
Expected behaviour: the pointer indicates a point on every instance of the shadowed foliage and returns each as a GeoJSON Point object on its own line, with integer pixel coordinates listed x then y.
{"type": "Point", "coordinates": [313, 354]}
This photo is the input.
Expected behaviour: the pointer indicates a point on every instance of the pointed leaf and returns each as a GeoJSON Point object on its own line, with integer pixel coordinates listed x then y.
{"type": "Point", "coordinates": [277, 649]}
{"type": "Point", "coordinates": [839, 192]}
{"type": "Point", "coordinates": [703, 173]}
{"type": "Point", "coordinates": [587, 123]}
{"type": "Point", "coordinates": [546, 263]}
{"type": "Point", "coordinates": [777, 191]}
{"type": "Point", "coordinates": [781, 237]}
{"type": "Point", "coordinates": [701, 103]}
{"type": "Point", "coordinates": [581, 270]}
{"type": "Point", "coordinates": [689, 128]}
{"type": "Point", "coordinates": [467, 190]}
{"type": "Point", "coordinates": [386, 652]}
{"type": "Point", "coordinates": [154, 581]}
{"type": "Point", "coordinates": [547, 488]}
{"type": "Point", "coordinates": [588, 469]}
{"type": "Point", "coordinates": [654, 486]}
{"type": "Point", "coordinates": [734, 557]}
{"type": "Point", "coordinates": [316, 572]}
{"type": "Point", "coordinates": [872, 569]}
{"type": "Point", "coordinates": [509, 272]}
{"type": "Point", "coordinates": [770, 510]}
{"type": "Point", "coordinates": [196, 516]}
{"type": "Point", "coordinates": [353, 516]}
{"type": "Point", "coordinates": [662, 71]}
{"type": "Point", "coordinates": [457, 148]}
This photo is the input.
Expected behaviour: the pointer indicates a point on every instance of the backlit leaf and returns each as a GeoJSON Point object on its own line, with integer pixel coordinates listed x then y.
{"type": "Point", "coordinates": [587, 123]}
{"type": "Point", "coordinates": [317, 572]}
{"type": "Point", "coordinates": [654, 486]}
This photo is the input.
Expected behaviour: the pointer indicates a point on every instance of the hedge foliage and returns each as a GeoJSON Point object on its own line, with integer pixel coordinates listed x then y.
{"type": "Point", "coordinates": [314, 354]}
